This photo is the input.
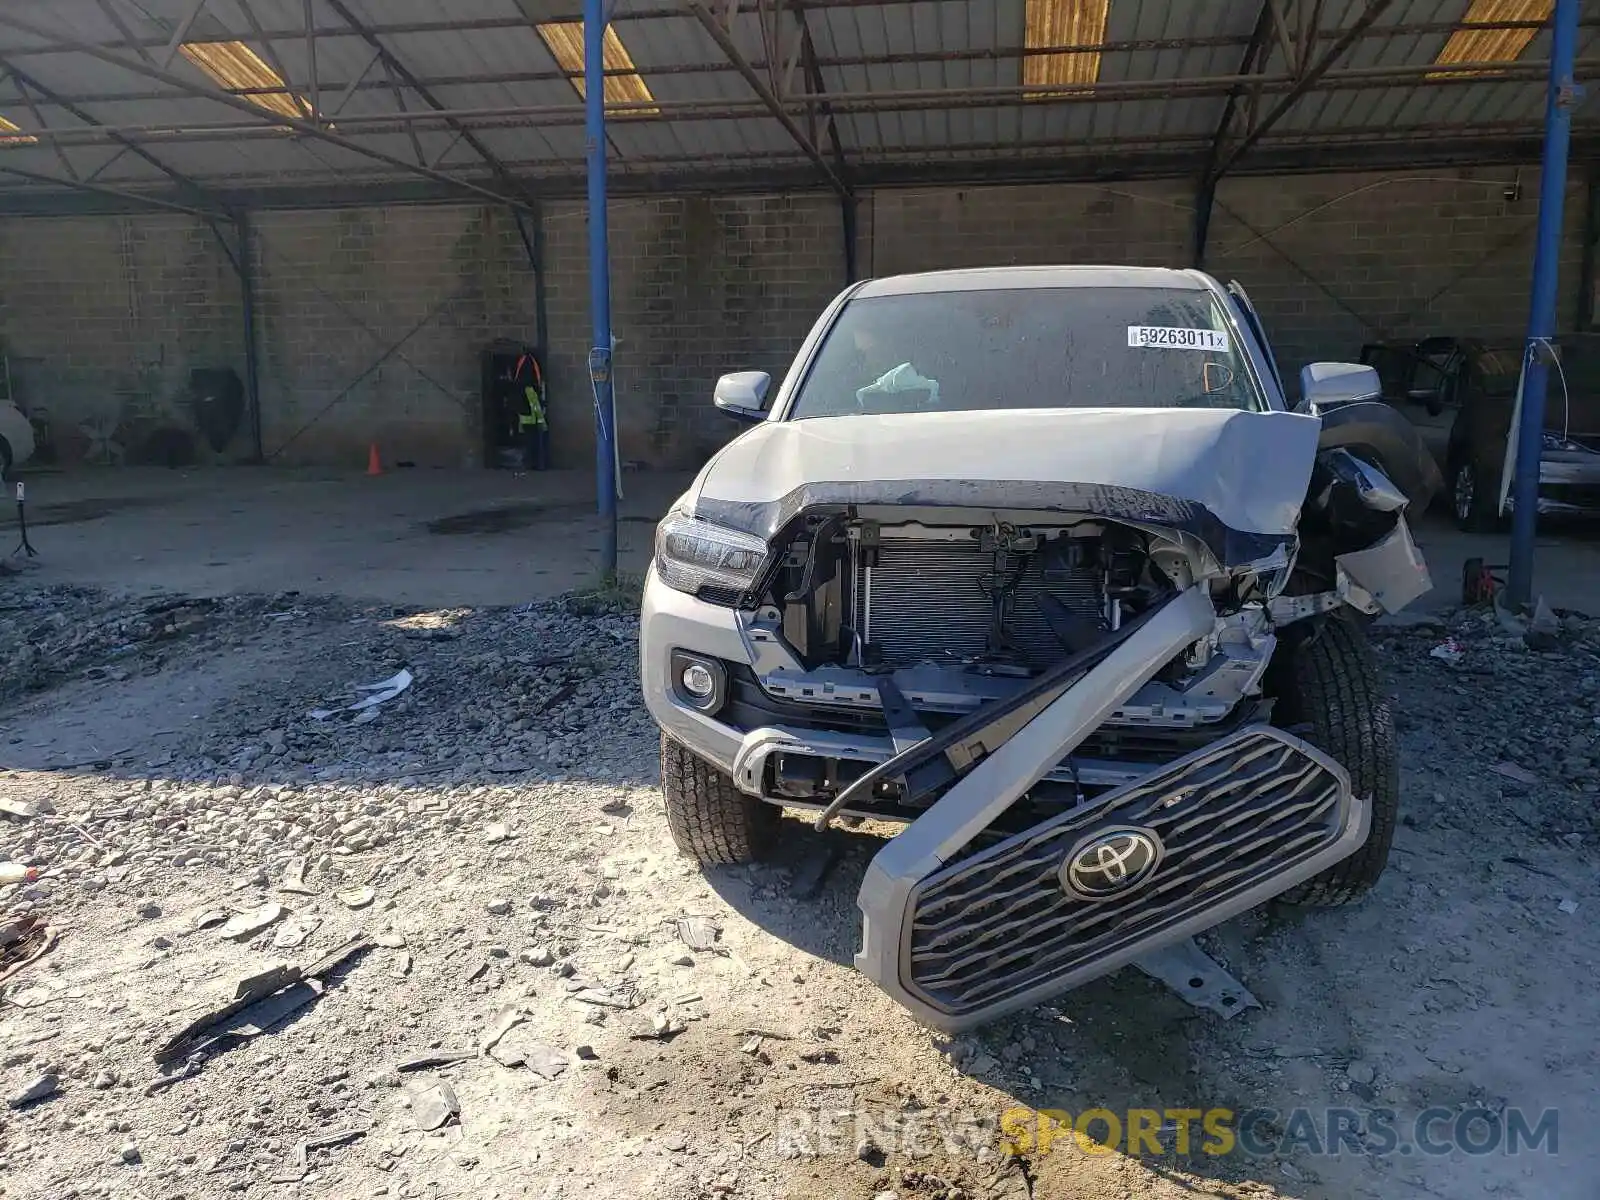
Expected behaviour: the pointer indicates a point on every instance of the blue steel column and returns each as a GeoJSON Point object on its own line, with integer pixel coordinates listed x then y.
{"type": "Point", "coordinates": [605, 417]}
{"type": "Point", "coordinates": [1542, 310]}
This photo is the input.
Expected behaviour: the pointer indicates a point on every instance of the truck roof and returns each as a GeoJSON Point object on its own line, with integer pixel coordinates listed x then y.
{"type": "Point", "coordinates": [980, 279]}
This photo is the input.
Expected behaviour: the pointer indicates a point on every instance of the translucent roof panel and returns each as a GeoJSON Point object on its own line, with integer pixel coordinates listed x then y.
{"type": "Point", "coordinates": [441, 90]}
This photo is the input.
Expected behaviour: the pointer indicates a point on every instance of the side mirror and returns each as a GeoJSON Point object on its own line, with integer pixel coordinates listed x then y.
{"type": "Point", "coordinates": [743, 395]}
{"type": "Point", "coordinates": [1329, 385]}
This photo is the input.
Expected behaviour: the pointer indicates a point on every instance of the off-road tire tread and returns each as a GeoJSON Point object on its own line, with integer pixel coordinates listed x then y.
{"type": "Point", "coordinates": [711, 820]}
{"type": "Point", "coordinates": [1329, 686]}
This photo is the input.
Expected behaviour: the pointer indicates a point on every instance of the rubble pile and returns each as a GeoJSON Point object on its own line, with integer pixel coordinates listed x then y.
{"type": "Point", "coordinates": [1510, 732]}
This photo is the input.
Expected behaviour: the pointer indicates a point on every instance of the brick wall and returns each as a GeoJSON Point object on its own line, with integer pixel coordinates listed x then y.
{"type": "Point", "coordinates": [1140, 224]}
{"type": "Point", "coordinates": [1353, 258]}
{"type": "Point", "coordinates": [370, 321]}
{"type": "Point", "coordinates": [699, 286]}
{"type": "Point", "coordinates": [369, 327]}
{"type": "Point", "coordinates": [102, 320]}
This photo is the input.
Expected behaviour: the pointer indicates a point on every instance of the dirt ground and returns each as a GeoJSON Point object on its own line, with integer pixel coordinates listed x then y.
{"type": "Point", "coordinates": [442, 538]}
{"type": "Point", "coordinates": [496, 832]}
{"type": "Point", "coordinates": [409, 536]}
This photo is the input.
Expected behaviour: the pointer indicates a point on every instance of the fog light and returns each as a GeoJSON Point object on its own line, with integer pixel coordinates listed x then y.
{"type": "Point", "coordinates": [701, 683]}
{"type": "Point", "coordinates": [698, 681]}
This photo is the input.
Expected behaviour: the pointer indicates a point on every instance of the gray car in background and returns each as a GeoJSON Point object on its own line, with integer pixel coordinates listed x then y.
{"type": "Point", "coordinates": [1461, 394]}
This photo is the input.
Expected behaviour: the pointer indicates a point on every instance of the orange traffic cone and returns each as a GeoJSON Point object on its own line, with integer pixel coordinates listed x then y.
{"type": "Point", "coordinates": [374, 466]}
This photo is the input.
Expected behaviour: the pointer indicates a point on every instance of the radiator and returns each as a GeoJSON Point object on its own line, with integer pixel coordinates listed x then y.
{"type": "Point", "coordinates": [926, 600]}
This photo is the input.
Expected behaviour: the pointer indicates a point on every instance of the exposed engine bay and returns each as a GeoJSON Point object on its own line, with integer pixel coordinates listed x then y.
{"type": "Point", "coordinates": [928, 619]}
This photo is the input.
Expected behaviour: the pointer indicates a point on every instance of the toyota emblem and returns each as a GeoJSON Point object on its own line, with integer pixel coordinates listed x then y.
{"type": "Point", "coordinates": [1111, 863]}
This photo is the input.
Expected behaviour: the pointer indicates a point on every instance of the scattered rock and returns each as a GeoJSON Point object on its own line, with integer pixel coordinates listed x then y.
{"type": "Point", "coordinates": [495, 833]}
{"type": "Point", "coordinates": [358, 897]}
{"type": "Point", "coordinates": [1360, 1072]}
{"type": "Point", "coordinates": [41, 1087]}
{"type": "Point", "coordinates": [434, 1106]}
{"type": "Point", "coordinates": [149, 912]}
{"type": "Point", "coordinates": [129, 1153]}
{"type": "Point", "coordinates": [1544, 628]}
{"type": "Point", "coordinates": [697, 933]}
{"type": "Point", "coordinates": [547, 1061]}
{"type": "Point", "coordinates": [103, 1079]}
{"type": "Point", "coordinates": [538, 956]}
{"type": "Point", "coordinates": [499, 908]}
{"type": "Point", "coordinates": [291, 933]}
{"type": "Point", "coordinates": [506, 1020]}
{"type": "Point", "coordinates": [1515, 773]}
{"type": "Point", "coordinates": [241, 927]}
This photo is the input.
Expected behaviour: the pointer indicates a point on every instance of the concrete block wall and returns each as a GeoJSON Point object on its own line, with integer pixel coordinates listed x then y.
{"type": "Point", "coordinates": [102, 320]}
{"type": "Point", "coordinates": [700, 285]}
{"type": "Point", "coordinates": [1140, 224]}
{"type": "Point", "coordinates": [370, 323]}
{"type": "Point", "coordinates": [1338, 260]}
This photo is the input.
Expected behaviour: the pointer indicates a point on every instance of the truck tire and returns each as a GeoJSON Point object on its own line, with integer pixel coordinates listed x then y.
{"type": "Point", "coordinates": [1328, 691]}
{"type": "Point", "coordinates": [711, 820]}
{"type": "Point", "coordinates": [5, 460]}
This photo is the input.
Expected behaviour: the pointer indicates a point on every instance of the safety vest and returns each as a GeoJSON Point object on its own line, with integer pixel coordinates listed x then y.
{"type": "Point", "coordinates": [533, 418]}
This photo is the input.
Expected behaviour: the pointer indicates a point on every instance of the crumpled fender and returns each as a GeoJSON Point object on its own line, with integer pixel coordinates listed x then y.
{"type": "Point", "coordinates": [1376, 432]}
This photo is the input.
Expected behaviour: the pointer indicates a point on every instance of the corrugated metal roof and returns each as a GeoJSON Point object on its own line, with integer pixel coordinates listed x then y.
{"type": "Point", "coordinates": [933, 81]}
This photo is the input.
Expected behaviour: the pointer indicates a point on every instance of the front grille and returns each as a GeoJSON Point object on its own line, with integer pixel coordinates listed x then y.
{"type": "Point", "coordinates": [931, 601]}
{"type": "Point", "coordinates": [1228, 818]}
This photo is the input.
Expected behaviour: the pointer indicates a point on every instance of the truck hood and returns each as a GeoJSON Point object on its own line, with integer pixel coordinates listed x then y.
{"type": "Point", "coordinates": [1245, 472]}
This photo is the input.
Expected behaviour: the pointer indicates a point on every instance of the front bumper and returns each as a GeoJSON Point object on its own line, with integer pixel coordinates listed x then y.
{"type": "Point", "coordinates": [1234, 824]}
{"type": "Point", "coordinates": [961, 937]}
{"type": "Point", "coordinates": [1569, 482]}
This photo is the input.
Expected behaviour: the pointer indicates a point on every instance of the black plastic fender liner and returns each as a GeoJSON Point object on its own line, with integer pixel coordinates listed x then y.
{"type": "Point", "coordinates": [1391, 442]}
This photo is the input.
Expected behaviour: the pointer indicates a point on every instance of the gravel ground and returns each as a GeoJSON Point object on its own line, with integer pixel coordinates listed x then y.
{"type": "Point", "coordinates": [494, 831]}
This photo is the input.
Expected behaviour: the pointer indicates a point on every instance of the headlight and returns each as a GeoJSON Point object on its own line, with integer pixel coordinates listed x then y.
{"type": "Point", "coordinates": [698, 557]}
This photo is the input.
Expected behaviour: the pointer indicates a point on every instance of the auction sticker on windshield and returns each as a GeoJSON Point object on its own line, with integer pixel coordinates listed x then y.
{"type": "Point", "coordinates": [1167, 337]}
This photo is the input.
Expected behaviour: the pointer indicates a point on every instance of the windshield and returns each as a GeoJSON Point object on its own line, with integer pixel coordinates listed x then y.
{"type": "Point", "coordinates": [1029, 348]}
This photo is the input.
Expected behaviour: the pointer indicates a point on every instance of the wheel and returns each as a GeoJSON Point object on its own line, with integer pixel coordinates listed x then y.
{"type": "Point", "coordinates": [711, 820]}
{"type": "Point", "coordinates": [1472, 499]}
{"type": "Point", "coordinates": [5, 460]}
{"type": "Point", "coordinates": [1329, 692]}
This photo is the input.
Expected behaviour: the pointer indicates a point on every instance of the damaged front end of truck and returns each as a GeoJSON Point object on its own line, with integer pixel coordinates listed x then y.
{"type": "Point", "coordinates": [1104, 669]}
